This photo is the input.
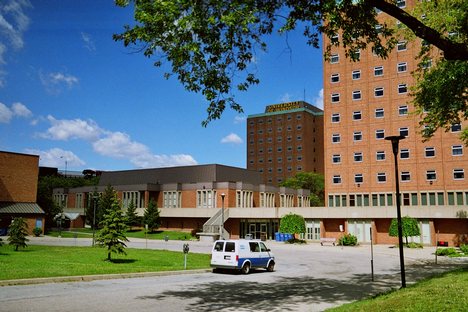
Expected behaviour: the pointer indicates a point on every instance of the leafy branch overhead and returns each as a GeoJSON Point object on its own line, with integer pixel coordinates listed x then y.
{"type": "Point", "coordinates": [211, 45]}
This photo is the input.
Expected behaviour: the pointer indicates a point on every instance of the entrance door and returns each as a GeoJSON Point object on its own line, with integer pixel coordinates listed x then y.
{"type": "Point", "coordinates": [313, 229]}
{"type": "Point", "coordinates": [252, 230]}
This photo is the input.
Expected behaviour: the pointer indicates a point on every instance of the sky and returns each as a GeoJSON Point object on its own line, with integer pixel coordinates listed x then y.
{"type": "Point", "coordinates": [72, 95]}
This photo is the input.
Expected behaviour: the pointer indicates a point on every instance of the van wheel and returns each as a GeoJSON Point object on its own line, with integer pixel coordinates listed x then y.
{"type": "Point", "coordinates": [246, 269]}
{"type": "Point", "coordinates": [271, 266]}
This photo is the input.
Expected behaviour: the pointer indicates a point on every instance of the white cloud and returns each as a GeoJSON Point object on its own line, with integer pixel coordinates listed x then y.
{"type": "Point", "coordinates": [112, 144]}
{"type": "Point", "coordinates": [232, 138]}
{"type": "Point", "coordinates": [72, 129]}
{"type": "Point", "coordinates": [13, 24]}
{"type": "Point", "coordinates": [54, 82]}
{"type": "Point", "coordinates": [5, 113]}
{"type": "Point", "coordinates": [318, 100]}
{"type": "Point", "coordinates": [17, 109]}
{"type": "Point", "coordinates": [21, 110]}
{"type": "Point", "coordinates": [120, 145]}
{"type": "Point", "coordinates": [285, 98]}
{"type": "Point", "coordinates": [240, 119]}
{"type": "Point", "coordinates": [152, 161]}
{"type": "Point", "coordinates": [56, 157]}
{"type": "Point", "coordinates": [88, 41]}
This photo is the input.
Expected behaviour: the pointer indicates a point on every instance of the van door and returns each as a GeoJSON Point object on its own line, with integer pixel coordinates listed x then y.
{"type": "Point", "coordinates": [254, 255]}
{"type": "Point", "coordinates": [264, 255]}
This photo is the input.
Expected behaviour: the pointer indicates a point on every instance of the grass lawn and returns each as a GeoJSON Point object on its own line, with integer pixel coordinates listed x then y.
{"type": "Point", "coordinates": [447, 292]}
{"type": "Point", "coordinates": [83, 233]}
{"type": "Point", "coordinates": [48, 261]}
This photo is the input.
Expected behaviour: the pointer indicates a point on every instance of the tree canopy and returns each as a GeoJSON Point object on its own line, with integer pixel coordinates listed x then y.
{"type": "Point", "coordinates": [314, 182]}
{"type": "Point", "coordinates": [409, 227]}
{"type": "Point", "coordinates": [292, 224]}
{"type": "Point", "coordinates": [211, 45]}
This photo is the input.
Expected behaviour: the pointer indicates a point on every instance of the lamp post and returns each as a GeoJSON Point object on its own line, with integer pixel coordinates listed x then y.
{"type": "Point", "coordinates": [94, 216]}
{"type": "Point", "coordinates": [222, 215]}
{"type": "Point", "coordinates": [395, 141]}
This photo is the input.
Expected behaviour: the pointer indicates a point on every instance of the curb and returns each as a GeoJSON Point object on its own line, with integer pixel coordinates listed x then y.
{"type": "Point", "coordinates": [89, 278]}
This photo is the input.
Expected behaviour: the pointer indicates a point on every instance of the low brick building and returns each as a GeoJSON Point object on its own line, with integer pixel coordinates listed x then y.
{"type": "Point", "coordinates": [18, 190]}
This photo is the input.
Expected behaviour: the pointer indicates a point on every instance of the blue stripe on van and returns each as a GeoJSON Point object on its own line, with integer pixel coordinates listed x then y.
{"type": "Point", "coordinates": [256, 262]}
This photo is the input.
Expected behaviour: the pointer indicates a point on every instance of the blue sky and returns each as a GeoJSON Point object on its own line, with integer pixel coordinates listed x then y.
{"type": "Point", "coordinates": [73, 96]}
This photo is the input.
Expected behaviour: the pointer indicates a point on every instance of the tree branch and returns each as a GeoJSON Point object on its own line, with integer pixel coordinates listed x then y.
{"type": "Point", "coordinates": [452, 50]}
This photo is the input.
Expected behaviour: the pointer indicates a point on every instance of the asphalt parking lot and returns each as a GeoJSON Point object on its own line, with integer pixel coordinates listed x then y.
{"type": "Point", "coordinates": [307, 278]}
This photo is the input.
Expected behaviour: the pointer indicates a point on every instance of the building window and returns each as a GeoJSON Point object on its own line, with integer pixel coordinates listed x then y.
{"type": "Point", "coordinates": [380, 155]}
{"type": "Point", "coordinates": [133, 196]}
{"type": "Point", "coordinates": [404, 131]}
{"type": "Point", "coordinates": [379, 134]}
{"type": "Point", "coordinates": [381, 177]}
{"type": "Point", "coordinates": [335, 117]}
{"type": "Point", "coordinates": [378, 71]}
{"type": "Point", "coordinates": [356, 95]}
{"type": "Point", "coordinates": [357, 136]}
{"type": "Point", "coordinates": [401, 46]}
{"type": "Point", "coordinates": [358, 178]}
{"type": "Point", "coordinates": [379, 92]}
{"type": "Point", "coordinates": [334, 58]}
{"type": "Point", "coordinates": [335, 97]}
{"type": "Point", "coordinates": [402, 67]}
{"type": "Point", "coordinates": [336, 158]}
{"type": "Point", "coordinates": [455, 128]}
{"type": "Point", "coordinates": [379, 113]}
{"type": "Point", "coordinates": [336, 138]}
{"type": "Point", "coordinates": [357, 115]}
{"type": "Point", "coordinates": [206, 199]}
{"type": "Point", "coordinates": [336, 179]}
{"type": "Point", "coordinates": [358, 156]}
{"type": "Point", "coordinates": [402, 88]}
{"type": "Point", "coordinates": [356, 74]}
{"type": "Point", "coordinates": [335, 78]}
{"type": "Point", "coordinates": [430, 175]}
{"type": "Point", "coordinates": [405, 176]}
{"type": "Point", "coordinates": [403, 110]}
{"type": "Point", "coordinates": [457, 150]}
{"type": "Point", "coordinates": [244, 199]}
{"type": "Point", "coordinates": [458, 174]}
{"type": "Point", "coordinates": [429, 151]}
{"type": "Point", "coordinates": [404, 153]}
{"type": "Point", "coordinates": [172, 199]}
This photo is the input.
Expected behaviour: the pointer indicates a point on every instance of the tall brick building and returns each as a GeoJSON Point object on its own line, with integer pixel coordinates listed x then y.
{"type": "Point", "coordinates": [286, 139]}
{"type": "Point", "coordinates": [368, 100]}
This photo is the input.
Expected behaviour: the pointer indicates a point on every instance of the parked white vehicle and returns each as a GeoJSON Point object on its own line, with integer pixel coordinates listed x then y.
{"type": "Point", "coordinates": [242, 255]}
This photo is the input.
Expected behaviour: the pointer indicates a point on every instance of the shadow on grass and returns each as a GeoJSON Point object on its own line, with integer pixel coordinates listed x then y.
{"type": "Point", "coordinates": [285, 293]}
{"type": "Point", "coordinates": [122, 260]}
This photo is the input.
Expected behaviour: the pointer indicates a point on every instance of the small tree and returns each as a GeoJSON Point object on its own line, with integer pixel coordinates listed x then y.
{"type": "Point", "coordinates": [409, 227]}
{"type": "Point", "coordinates": [151, 216]}
{"type": "Point", "coordinates": [292, 223]}
{"type": "Point", "coordinates": [112, 233]}
{"type": "Point", "coordinates": [132, 218]}
{"type": "Point", "coordinates": [18, 233]}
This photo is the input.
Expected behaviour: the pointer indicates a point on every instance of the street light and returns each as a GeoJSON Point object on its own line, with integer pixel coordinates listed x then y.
{"type": "Point", "coordinates": [222, 215]}
{"type": "Point", "coordinates": [94, 215]}
{"type": "Point", "coordinates": [395, 141]}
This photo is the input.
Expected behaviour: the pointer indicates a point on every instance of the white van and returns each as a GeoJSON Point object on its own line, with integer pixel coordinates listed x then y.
{"type": "Point", "coordinates": [242, 255]}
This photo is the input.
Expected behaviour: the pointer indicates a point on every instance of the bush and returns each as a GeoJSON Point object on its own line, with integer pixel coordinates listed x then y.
{"type": "Point", "coordinates": [296, 241]}
{"type": "Point", "coordinates": [347, 240]}
{"type": "Point", "coordinates": [414, 245]}
{"type": "Point", "coordinates": [464, 249]}
{"type": "Point", "coordinates": [37, 231]}
{"type": "Point", "coordinates": [446, 251]}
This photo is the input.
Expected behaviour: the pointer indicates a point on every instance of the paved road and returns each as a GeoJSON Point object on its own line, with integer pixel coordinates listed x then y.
{"type": "Point", "coordinates": [307, 278]}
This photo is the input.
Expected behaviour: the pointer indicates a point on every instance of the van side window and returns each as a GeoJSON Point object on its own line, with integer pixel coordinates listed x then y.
{"type": "Point", "coordinates": [264, 248]}
{"type": "Point", "coordinates": [230, 247]}
{"type": "Point", "coordinates": [254, 247]}
{"type": "Point", "coordinates": [219, 246]}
